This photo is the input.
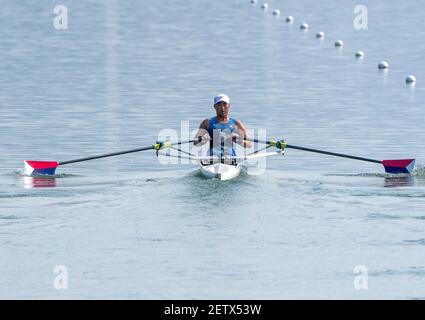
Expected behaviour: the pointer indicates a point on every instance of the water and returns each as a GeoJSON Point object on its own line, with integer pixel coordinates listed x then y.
{"type": "Point", "coordinates": [129, 227]}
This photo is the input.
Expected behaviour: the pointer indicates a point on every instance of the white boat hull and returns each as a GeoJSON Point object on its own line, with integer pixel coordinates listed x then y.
{"type": "Point", "coordinates": [220, 171]}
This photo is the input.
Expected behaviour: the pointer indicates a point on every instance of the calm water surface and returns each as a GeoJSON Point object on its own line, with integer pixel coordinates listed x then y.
{"type": "Point", "coordinates": [130, 227]}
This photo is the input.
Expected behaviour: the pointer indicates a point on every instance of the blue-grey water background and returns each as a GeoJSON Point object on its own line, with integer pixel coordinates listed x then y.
{"type": "Point", "coordinates": [129, 227]}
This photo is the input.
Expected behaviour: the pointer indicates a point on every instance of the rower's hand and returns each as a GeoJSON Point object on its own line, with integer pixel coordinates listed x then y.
{"type": "Point", "coordinates": [202, 140]}
{"type": "Point", "coordinates": [234, 136]}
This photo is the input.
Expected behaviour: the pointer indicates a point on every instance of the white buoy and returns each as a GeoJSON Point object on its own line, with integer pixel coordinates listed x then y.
{"type": "Point", "coordinates": [304, 26]}
{"type": "Point", "coordinates": [339, 43]}
{"type": "Point", "coordinates": [289, 19]}
{"type": "Point", "coordinates": [359, 54]}
{"type": "Point", "coordinates": [383, 65]}
{"type": "Point", "coordinates": [320, 35]}
{"type": "Point", "coordinates": [264, 6]}
{"type": "Point", "coordinates": [253, 1]}
{"type": "Point", "coordinates": [276, 12]}
{"type": "Point", "coordinates": [411, 79]}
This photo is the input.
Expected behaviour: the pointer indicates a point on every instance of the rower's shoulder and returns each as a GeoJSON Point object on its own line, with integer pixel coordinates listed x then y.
{"type": "Point", "coordinates": [205, 123]}
{"type": "Point", "coordinates": [239, 123]}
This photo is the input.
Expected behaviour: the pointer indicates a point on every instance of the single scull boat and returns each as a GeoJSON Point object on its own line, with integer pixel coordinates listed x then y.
{"type": "Point", "coordinates": [222, 168]}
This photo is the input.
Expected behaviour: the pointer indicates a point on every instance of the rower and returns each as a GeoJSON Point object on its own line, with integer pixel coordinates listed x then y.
{"type": "Point", "coordinates": [222, 131]}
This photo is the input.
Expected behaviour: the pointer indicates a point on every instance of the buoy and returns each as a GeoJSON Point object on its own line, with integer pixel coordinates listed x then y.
{"type": "Point", "coordinates": [253, 1]}
{"type": "Point", "coordinates": [359, 54]}
{"type": "Point", "coordinates": [411, 79]}
{"type": "Point", "coordinates": [320, 35]}
{"type": "Point", "coordinates": [383, 65]}
{"type": "Point", "coordinates": [339, 43]}
{"type": "Point", "coordinates": [304, 26]}
{"type": "Point", "coordinates": [289, 18]}
{"type": "Point", "coordinates": [276, 12]}
{"type": "Point", "coordinates": [264, 6]}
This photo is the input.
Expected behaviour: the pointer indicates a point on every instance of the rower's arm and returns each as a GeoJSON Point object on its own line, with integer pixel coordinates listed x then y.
{"type": "Point", "coordinates": [241, 131]}
{"type": "Point", "coordinates": [202, 136]}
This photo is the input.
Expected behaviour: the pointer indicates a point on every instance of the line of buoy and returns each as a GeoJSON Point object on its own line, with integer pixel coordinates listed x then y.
{"type": "Point", "coordinates": [359, 55]}
{"type": "Point", "coordinates": [320, 35]}
{"type": "Point", "coordinates": [411, 79]}
{"type": "Point", "coordinates": [303, 26]}
{"type": "Point", "coordinates": [339, 43]}
{"type": "Point", "coordinates": [383, 65]}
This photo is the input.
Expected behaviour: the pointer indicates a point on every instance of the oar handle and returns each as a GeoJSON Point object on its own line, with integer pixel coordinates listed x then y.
{"type": "Point", "coordinates": [156, 146]}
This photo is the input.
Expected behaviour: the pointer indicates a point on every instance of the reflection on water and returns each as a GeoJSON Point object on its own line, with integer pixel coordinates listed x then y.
{"type": "Point", "coordinates": [402, 181]}
{"type": "Point", "coordinates": [124, 71]}
{"type": "Point", "coordinates": [37, 182]}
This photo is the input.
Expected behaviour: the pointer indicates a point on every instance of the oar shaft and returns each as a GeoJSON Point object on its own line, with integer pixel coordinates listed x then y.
{"type": "Point", "coordinates": [106, 155]}
{"type": "Point", "coordinates": [333, 154]}
{"type": "Point", "coordinates": [319, 151]}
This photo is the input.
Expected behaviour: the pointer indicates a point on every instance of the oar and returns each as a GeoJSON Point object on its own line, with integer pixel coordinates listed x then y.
{"type": "Point", "coordinates": [35, 167]}
{"type": "Point", "coordinates": [391, 166]}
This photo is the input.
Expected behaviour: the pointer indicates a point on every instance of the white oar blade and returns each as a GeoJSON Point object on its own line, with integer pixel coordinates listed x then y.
{"type": "Point", "coordinates": [34, 168]}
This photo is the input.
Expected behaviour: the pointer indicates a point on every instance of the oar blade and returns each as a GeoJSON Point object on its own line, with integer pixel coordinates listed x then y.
{"type": "Point", "coordinates": [399, 166]}
{"type": "Point", "coordinates": [34, 167]}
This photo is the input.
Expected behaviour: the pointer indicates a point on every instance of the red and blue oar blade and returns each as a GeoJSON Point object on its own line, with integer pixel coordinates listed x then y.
{"type": "Point", "coordinates": [399, 166]}
{"type": "Point", "coordinates": [36, 168]}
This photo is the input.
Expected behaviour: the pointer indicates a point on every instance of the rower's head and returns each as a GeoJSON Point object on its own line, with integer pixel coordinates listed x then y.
{"type": "Point", "coordinates": [222, 105]}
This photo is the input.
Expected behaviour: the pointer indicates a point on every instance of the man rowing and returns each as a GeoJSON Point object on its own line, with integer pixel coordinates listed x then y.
{"type": "Point", "coordinates": [219, 128]}
{"type": "Point", "coordinates": [222, 131]}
